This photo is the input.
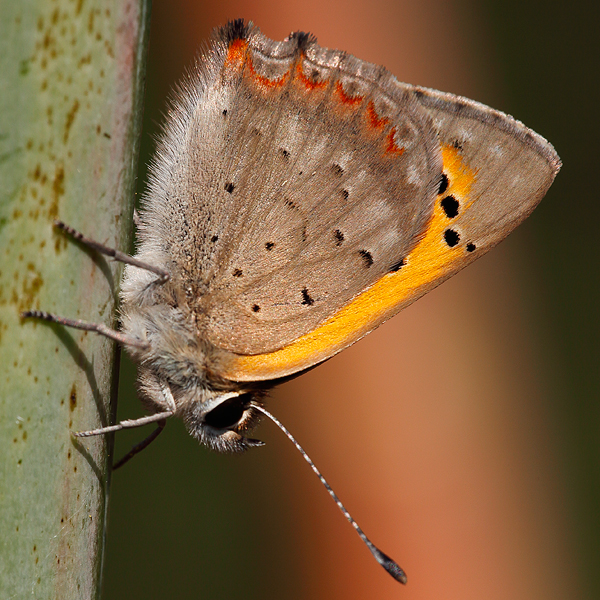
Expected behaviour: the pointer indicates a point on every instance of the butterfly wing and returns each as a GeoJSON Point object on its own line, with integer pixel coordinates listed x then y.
{"type": "Point", "coordinates": [511, 166]}
{"type": "Point", "coordinates": [306, 198]}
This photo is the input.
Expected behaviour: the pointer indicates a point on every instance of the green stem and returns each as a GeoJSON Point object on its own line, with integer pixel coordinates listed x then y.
{"type": "Point", "coordinates": [70, 104]}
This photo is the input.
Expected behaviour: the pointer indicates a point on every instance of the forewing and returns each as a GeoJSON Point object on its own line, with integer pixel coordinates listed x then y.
{"type": "Point", "coordinates": [512, 167]}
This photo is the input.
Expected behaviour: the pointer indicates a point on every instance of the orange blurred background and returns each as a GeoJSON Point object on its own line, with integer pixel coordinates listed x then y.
{"type": "Point", "coordinates": [449, 433]}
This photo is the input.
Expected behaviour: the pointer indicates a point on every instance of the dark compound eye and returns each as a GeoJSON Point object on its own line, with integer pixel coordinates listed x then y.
{"type": "Point", "coordinates": [227, 414]}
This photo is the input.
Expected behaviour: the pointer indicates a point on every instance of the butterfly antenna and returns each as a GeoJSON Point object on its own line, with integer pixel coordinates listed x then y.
{"type": "Point", "coordinates": [383, 559]}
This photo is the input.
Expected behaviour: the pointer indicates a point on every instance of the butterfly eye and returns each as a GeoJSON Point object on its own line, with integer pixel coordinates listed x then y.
{"type": "Point", "coordinates": [227, 414]}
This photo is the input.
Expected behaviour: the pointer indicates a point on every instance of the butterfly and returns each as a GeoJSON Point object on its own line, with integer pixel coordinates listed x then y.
{"type": "Point", "coordinates": [299, 197]}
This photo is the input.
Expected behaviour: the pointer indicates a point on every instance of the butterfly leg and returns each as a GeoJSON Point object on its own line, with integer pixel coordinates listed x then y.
{"type": "Point", "coordinates": [100, 328]}
{"type": "Point", "coordinates": [115, 254]}
{"type": "Point", "coordinates": [126, 340]}
{"type": "Point", "coordinates": [159, 418]}
{"type": "Point", "coordinates": [141, 446]}
{"type": "Point", "coordinates": [127, 424]}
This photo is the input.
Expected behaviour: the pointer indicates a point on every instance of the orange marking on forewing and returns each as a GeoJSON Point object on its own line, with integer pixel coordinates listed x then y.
{"type": "Point", "coordinates": [391, 147]}
{"type": "Point", "coordinates": [460, 175]}
{"type": "Point", "coordinates": [345, 98]}
{"type": "Point", "coordinates": [308, 82]}
{"type": "Point", "coordinates": [236, 53]}
{"type": "Point", "coordinates": [374, 119]}
{"type": "Point", "coordinates": [430, 259]}
{"type": "Point", "coordinates": [265, 82]}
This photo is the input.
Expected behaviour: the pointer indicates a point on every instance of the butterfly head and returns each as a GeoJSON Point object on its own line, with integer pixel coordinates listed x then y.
{"type": "Point", "coordinates": [215, 417]}
{"type": "Point", "coordinates": [220, 421]}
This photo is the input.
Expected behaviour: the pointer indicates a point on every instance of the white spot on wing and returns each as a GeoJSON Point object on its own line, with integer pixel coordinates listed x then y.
{"type": "Point", "coordinates": [413, 175]}
{"type": "Point", "coordinates": [496, 151]}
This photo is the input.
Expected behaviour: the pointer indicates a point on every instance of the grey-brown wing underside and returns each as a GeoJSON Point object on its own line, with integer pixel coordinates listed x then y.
{"type": "Point", "coordinates": [294, 177]}
{"type": "Point", "coordinates": [287, 196]}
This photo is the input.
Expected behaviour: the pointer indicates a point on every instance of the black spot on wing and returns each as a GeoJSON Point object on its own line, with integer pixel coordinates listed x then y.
{"type": "Point", "coordinates": [229, 187]}
{"type": "Point", "coordinates": [471, 246]}
{"type": "Point", "coordinates": [444, 183]}
{"type": "Point", "coordinates": [450, 206]}
{"type": "Point", "coordinates": [337, 169]}
{"type": "Point", "coordinates": [306, 299]}
{"type": "Point", "coordinates": [367, 257]}
{"type": "Point", "coordinates": [398, 265]}
{"type": "Point", "coordinates": [451, 237]}
{"type": "Point", "coordinates": [237, 273]}
{"type": "Point", "coordinates": [270, 245]}
{"type": "Point", "coordinates": [339, 237]}
{"type": "Point", "coordinates": [303, 40]}
{"type": "Point", "coordinates": [255, 307]}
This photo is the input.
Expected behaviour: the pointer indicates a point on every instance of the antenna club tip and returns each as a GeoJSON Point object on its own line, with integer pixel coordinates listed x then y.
{"type": "Point", "coordinates": [397, 573]}
{"type": "Point", "coordinates": [383, 559]}
{"type": "Point", "coordinates": [391, 566]}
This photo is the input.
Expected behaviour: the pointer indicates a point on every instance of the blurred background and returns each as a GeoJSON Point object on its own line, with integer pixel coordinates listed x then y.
{"type": "Point", "coordinates": [463, 435]}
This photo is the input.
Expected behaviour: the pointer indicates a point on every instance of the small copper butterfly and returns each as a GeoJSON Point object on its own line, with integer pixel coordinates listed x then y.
{"type": "Point", "coordinates": [300, 197]}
